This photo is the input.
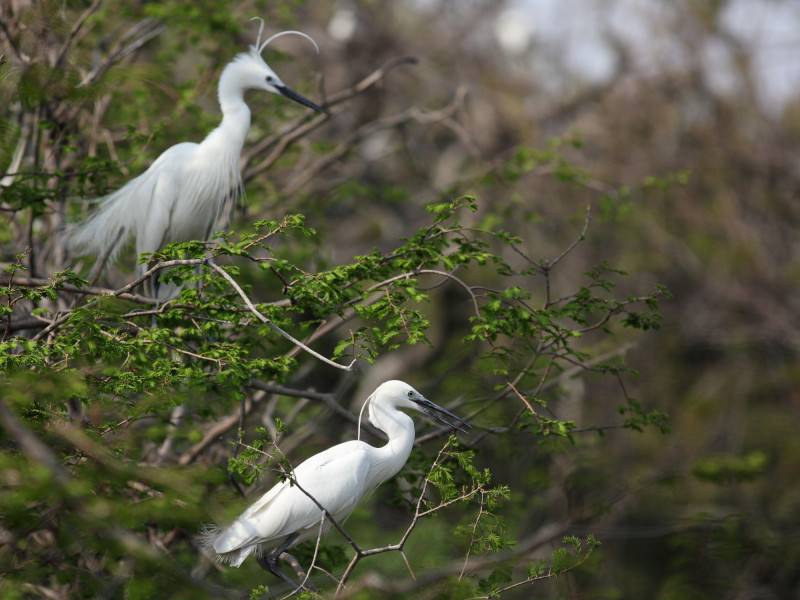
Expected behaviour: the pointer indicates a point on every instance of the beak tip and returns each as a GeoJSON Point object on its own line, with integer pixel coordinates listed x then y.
{"type": "Point", "coordinates": [445, 417]}
{"type": "Point", "coordinates": [292, 95]}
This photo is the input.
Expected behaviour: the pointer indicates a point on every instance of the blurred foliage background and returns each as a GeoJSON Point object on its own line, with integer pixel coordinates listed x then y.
{"type": "Point", "coordinates": [663, 118]}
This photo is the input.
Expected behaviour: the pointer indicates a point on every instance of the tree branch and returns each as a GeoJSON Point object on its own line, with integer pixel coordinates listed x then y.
{"type": "Point", "coordinates": [225, 275]}
{"type": "Point", "coordinates": [308, 123]}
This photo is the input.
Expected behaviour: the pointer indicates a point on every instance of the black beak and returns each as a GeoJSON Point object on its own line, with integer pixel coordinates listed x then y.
{"type": "Point", "coordinates": [442, 415]}
{"type": "Point", "coordinates": [291, 94]}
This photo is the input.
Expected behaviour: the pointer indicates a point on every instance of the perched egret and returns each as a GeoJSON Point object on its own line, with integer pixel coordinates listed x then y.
{"type": "Point", "coordinates": [186, 192]}
{"type": "Point", "coordinates": [336, 478]}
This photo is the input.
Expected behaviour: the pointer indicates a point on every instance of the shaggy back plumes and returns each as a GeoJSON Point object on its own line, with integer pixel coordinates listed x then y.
{"type": "Point", "coordinates": [182, 196]}
{"type": "Point", "coordinates": [106, 231]}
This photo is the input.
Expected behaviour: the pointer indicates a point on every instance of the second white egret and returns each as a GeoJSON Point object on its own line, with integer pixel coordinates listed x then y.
{"type": "Point", "coordinates": [336, 479]}
{"type": "Point", "coordinates": [184, 194]}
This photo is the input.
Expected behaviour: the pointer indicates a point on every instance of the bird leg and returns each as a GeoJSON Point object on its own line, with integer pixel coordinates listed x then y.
{"type": "Point", "coordinates": [270, 561]}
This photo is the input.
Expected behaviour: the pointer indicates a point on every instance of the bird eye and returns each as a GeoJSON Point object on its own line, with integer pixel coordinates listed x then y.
{"type": "Point", "coordinates": [270, 78]}
{"type": "Point", "coordinates": [410, 394]}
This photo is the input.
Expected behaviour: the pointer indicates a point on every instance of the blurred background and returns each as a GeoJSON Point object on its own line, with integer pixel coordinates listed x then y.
{"type": "Point", "coordinates": [707, 93]}
{"type": "Point", "coordinates": [681, 123]}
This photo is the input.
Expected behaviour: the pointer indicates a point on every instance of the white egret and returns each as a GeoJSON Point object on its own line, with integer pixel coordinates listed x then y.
{"type": "Point", "coordinates": [187, 191]}
{"type": "Point", "coordinates": [336, 478]}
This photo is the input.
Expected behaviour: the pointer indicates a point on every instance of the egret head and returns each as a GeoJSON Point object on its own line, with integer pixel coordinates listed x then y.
{"type": "Point", "coordinates": [398, 394]}
{"type": "Point", "coordinates": [254, 73]}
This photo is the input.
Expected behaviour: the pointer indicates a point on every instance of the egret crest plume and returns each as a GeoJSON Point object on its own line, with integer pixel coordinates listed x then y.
{"type": "Point", "coordinates": [259, 47]}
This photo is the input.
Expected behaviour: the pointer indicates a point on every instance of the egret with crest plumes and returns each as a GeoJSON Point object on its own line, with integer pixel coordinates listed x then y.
{"type": "Point", "coordinates": [188, 190]}
{"type": "Point", "coordinates": [335, 479]}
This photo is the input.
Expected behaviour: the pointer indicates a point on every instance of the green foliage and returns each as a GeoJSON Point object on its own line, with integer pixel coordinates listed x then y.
{"type": "Point", "coordinates": [637, 417]}
{"type": "Point", "coordinates": [125, 362]}
{"type": "Point", "coordinates": [573, 554]}
{"type": "Point", "coordinates": [113, 504]}
{"type": "Point", "coordinates": [731, 468]}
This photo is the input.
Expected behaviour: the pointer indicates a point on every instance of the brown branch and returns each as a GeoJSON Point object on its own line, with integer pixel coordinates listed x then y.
{"type": "Point", "coordinates": [121, 292]}
{"type": "Point", "coordinates": [75, 31]}
{"type": "Point", "coordinates": [308, 123]}
{"type": "Point", "coordinates": [390, 122]}
{"type": "Point", "coordinates": [128, 43]}
{"type": "Point", "coordinates": [525, 401]}
{"type": "Point", "coordinates": [543, 536]}
{"type": "Point", "coordinates": [89, 290]}
{"type": "Point", "coordinates": [328, 399]}
{"type": "Point", "coordinates": [220, 428]}
{"type": "Point", "coordinates": [302, 585]}
{"type": "Point", "coordinates": [587, 220]}
{"type": "Point", "coordinates": [496, 398]}
{"type": "Point", "coordinates": [359, 554]}
{"type": "Point", "coordinates": [230, 421]}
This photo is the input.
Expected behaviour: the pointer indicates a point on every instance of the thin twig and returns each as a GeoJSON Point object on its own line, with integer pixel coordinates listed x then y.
{"type": "Point", "coordinates": [302, 585]}
{"type": "Point", "coordinates": [389, 122]}
{"type": "Point", "coordinates": [225, 275]}
{"type": "Point", "coordinates": [76, 29]}
{"type": "Point", "coordinates": [139, 34]}
{"type": "Point", "coordinates": [586, 221]}
{"type": "Point", "coordinates": [418, 513]}
{"type": "Point", "coordinates": [472, 538]}
{"type": "Point", "coordinates": [523, 398]}
{"type": "Point", "coordinates": [308, 123]}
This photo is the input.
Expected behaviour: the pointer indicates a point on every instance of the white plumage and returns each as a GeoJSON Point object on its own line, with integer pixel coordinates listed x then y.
{"type": "Point", "coordinates": [188, 191]}
{"type": "Point", "coordinates": [336, 478]}
{"type": "Point", "coordinates": [285, 510]}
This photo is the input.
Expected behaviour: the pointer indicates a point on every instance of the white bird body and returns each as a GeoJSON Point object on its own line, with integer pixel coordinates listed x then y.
{"type": "Point", "coordinates": [189, 188]}
{"type": "Point", "coordinates": [337, 478]}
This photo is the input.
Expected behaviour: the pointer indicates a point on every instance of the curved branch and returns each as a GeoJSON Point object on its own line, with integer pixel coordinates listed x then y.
{"type": "Point", "coordinates": [225, 275]}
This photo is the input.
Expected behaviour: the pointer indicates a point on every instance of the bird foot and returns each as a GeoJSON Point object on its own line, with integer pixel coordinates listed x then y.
{"type": "Point", "coordinates": [270, 563]}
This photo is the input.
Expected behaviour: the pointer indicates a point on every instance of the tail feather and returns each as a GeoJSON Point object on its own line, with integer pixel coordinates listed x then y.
{"type": "Point", "coordinates": [210, 535]}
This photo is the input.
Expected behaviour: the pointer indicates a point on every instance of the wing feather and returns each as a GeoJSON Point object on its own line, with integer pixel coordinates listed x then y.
{"type": "Point", "coordinates": [336, 478]}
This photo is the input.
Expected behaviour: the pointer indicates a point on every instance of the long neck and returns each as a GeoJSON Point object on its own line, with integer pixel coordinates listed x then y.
{"type": "Point", "coordinates": [399, 428]}
{"type": "Point", "coordinates": [235, 113]}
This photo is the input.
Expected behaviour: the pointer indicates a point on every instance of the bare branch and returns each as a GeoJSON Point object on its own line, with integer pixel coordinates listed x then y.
{"type": "Point", "coordinates": [418, 513]}
{"type": "Point", "coordinates": [586, 221]}
{"type": "Point", "coordinates": [308, 123]}
{"type": "Point", "coordinates": [328, 399]}
{"type": "Point", "coordinates": [218, 429]}
{"type": "Point", "coordinates": [389, 122]}
{"type": "Point", "coordinates": [75, 31]}
{"type": "Point", "coordinates": [472, 537]}
{"type": "Point", "coordinates": [543, 536]}
{"type": "Point", "coordinates": [129, 42]}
